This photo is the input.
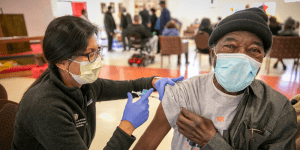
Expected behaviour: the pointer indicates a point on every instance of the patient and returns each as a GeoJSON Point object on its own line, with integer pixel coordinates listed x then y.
{"type": "Point", "coordinates": [170, 30]}
{"type": "Point", "coordinates": [227, 108]}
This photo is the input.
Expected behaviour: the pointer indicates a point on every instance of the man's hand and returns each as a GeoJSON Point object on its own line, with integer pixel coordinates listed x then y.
{"type": "Point", "coordinates": [111, 33]}
{"type": "Point", "coordinates": [196, 128]}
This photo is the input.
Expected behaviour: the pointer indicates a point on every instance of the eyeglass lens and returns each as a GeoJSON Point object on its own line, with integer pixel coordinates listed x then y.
{"type": "Point", "coordinates": [94, 55]}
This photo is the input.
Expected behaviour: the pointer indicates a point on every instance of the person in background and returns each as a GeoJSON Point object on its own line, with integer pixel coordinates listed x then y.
{"type": "Point", "coordinates": [247, 6]}
{"type": "Point", "coordinates": [125, 21]}
{"type": "Point", "coordinates": [274, 25]}
{"type": "Point", "coordinates": [205, 26]}
{"type": "Point", "coordinates": [110, 26]}
{"type": "Point", "coordinates": [170, 30]}
{"type": "Point", "coordinates": [145, 17]}
{"type": "Point", "coordinates": [153, 20]}
{"type": "Point", "coordinates": [84, 15]}
{"type": "Point", "coordinates": [165, 16]}
{"type": "Point", "coordinates": [177, 23]}
{"type": "Point", "coordinates": [227, 109]}
{"type": "Point", "coordinates": [137, 28]}
{"type": "Point", "coordinates": [196, 21]}
{"type": "Point", "coordinates": [58, 111]}
{"type": "Point", "coordinates": [289, 28]}
{"type": "Point", "coordinates": [287, 31]}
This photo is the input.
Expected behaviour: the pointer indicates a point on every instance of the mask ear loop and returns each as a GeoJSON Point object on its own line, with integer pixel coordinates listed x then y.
{"type": "Point", "coordinates": [214, 51]}
{"type": "Point", "coordinates": [70, 60]}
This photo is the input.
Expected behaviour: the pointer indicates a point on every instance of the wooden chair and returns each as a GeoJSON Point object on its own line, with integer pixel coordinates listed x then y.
{"type": "Point", "coordinates": [189, 32]}
{"type": "Point", "coordinates": [201, 41]}
{"type": "Point", "coordinates": [3, 93]}
{"type": "Point", "coordinates": [172, 45]}
{"type": "Point", "coordinates": [8, 111]}
{"type": "Point", "coordinates": [284, 47]}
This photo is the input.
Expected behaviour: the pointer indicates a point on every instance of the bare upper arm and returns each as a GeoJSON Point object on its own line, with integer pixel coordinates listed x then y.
{"type": "Point", "coordinates": [155, 132]}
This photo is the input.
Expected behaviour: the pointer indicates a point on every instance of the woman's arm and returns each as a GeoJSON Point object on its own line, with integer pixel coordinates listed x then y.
{"type": "Point", "coordinates": [112, 90]}
{"type": "Point", "coordinates": [155, 132]}
{"type": "Point", "coordinates": [121, 139]}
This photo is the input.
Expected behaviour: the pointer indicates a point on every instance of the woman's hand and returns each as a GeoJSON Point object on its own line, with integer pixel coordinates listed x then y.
{"type": "Point", "coordinates": [160, 84]}
{"type": "Point", "coordinates": [136, 113]}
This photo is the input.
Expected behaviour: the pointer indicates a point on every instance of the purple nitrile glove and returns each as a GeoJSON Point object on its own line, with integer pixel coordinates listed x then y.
{"type": "Point", "coordinates": [161, 83]}
{"type": "Point", "coordinates": [137, 113]}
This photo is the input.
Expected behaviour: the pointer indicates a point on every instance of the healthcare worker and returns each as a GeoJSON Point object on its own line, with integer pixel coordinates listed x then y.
{"type": "Point", "coordinates": [58, 110]}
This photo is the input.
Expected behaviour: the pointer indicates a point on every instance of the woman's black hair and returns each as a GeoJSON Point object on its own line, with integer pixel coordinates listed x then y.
{"type": "Point", "coordinates": [64, 38]}
{"type": "Point", "coordinates": [153, 10]}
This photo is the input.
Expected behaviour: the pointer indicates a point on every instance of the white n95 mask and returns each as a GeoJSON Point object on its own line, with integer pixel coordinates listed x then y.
{"type": "Point", "coordinates": [89, 71]}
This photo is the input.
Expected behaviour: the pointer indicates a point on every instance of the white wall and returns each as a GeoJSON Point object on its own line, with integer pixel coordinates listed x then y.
{"type": "Point", "coordinates": [63, 9]}
{"type": "Point", "coordinates": [37, 13]}
{"type": "Point", "coordinates": [94, 9]}
{"type": "Point", "coordinates": [54, 7]}
{"type": "Point", "coordinates": [282, 12]}
{"type": "Point", "coordinates": [188, 10]}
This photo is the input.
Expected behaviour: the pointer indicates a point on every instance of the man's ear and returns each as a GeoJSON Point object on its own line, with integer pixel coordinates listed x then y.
{"type": "Point", "coordinates": [63, 65]}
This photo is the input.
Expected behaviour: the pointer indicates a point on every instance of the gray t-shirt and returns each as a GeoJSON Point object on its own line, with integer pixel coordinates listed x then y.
{"type": "Point", "coordinates": [198, 95]}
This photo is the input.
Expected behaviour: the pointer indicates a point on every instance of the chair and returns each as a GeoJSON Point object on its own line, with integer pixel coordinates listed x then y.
{"type": "Point", "coordinates": [8, 111]}
{"type": "Point", "coordinates": [284, 47]}
{"type": "Point", "coordinates": [201, 40]}
{"type": "Point", "coordinates": [189, 32]}
{"type": "Point", "coordinates": [3, 93]}
{"type": "Point", "coordinates": [173, 45]}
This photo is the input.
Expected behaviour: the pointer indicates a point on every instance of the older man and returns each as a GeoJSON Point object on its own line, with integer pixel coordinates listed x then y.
{"type": "Point", "coordinates": [227, 109]}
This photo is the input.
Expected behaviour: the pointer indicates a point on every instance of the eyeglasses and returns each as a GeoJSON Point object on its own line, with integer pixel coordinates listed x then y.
{"type": "Point", "coordinates": [92, 55]}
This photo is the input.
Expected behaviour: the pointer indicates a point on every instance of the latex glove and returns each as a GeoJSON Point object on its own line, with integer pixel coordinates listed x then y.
{"type": "Point", "coordinates": [137, 113]}
{"type": "Point", "coordinates": [161, 83]}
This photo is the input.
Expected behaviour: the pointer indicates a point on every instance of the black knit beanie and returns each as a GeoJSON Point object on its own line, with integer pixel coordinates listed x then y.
{"type": "Point", "coordinates": [253, 20]}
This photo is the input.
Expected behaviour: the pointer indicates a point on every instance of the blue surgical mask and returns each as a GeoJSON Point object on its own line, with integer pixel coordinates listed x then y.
{"type": "Point", "coordinates": [235, 71]}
